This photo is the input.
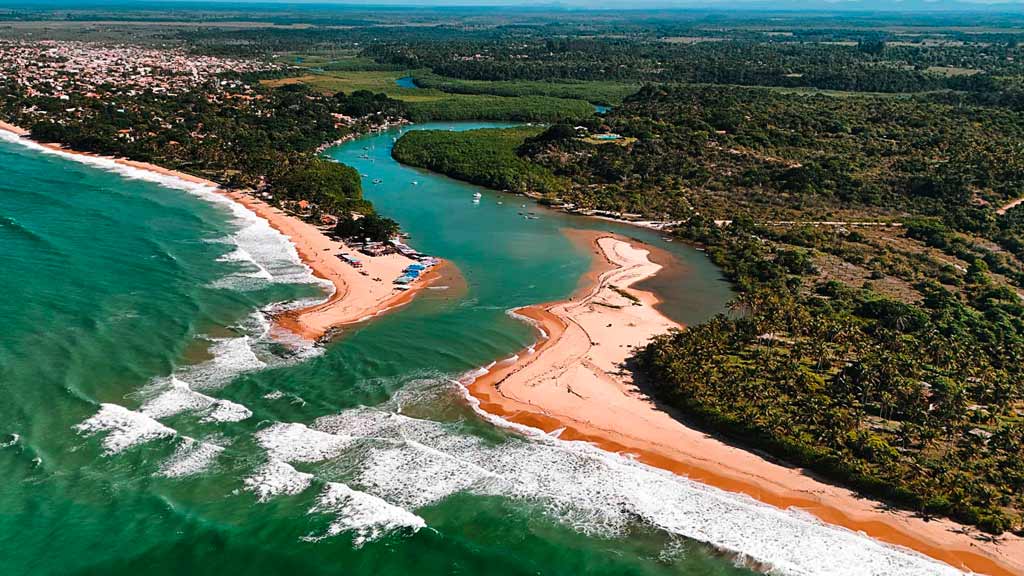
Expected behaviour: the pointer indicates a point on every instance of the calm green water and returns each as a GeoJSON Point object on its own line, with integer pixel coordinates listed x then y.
{"type": "Point", "coordinates": [151, 424]}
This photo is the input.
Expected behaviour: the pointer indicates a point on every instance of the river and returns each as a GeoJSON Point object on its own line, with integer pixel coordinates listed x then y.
{"type": "Point", "coordinates": [154, 423]}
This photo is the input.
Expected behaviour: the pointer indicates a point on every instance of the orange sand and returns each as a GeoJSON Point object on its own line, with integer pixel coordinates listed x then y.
{"type": "Point", "coordinates": [575, 380]}
{"type": "Point", "coordinates": [357, 297]}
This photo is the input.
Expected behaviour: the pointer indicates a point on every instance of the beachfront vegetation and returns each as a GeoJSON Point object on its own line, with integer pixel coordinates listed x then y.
{"type": "Point", "coordinates": [334, 187]}
{"type": "Point", "coordinates": [484, 157]}
{"type": "Point", "coordinates": [374, 227]}
{"type": "Point", "coordinates": [882, 355]}
{"type": "Point", "coordinates": [907, 387]}
{"type": "Point", "coordinates": [262, 138]}
{"type": "Point", "coordinates": [886, 354]}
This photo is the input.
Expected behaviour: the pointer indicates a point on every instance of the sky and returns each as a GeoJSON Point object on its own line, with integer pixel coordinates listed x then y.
{"type": "Point", "coordinates": [1016, 6]}
{"type": "Point", "coordinates": [897, 5]}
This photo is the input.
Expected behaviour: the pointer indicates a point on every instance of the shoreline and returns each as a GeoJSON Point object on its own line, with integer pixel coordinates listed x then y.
{"type": "Point", "coordinates": [580, 329]}
{"type": "Point", "coordinates": [573, 380]}
{"type": "Point", "coordinates": [356, 297]}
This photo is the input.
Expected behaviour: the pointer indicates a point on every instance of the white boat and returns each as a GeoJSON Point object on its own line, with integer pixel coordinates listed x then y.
{"type": "Point", "coordinates": [477, 195]}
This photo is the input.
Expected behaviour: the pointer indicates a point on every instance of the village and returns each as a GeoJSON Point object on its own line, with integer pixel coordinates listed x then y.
{"type": "Point", "coordinates": [60, 69]}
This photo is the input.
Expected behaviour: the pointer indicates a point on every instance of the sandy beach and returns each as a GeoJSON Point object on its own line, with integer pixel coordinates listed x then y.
{"type": "Point", "coordinates": [357, 297]}
{"type": "Point", "coordinates": [575, 380]}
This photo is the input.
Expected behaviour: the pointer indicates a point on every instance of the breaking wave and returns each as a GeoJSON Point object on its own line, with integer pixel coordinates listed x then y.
{"type": "Point", "coordinates": [190, 457]}
{"type": "Point", "coordinates": [125, 428]}
{"type": "Point", "coordinates": [367, 516]}
{"type": "Point", "coordinates": [265, 254]}
{"type": "Point", "coordinates": [276, 478]}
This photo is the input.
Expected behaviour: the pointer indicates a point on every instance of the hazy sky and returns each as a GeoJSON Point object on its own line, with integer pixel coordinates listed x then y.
{"type": "Point", "coordinates": [1016, 6]}
{"type": "Point", "coordinates": [1013, 5]}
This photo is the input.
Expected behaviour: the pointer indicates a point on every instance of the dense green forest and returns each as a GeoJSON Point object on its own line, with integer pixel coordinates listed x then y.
{"type": "Point", "coordinates": [912, 395]}
{"type": "Point", "coordinates": [603, 93]}
{"type": "Point", "coordinates": [484, 157]}
{"type": "Point", "coordinates": [883, 356]}
{"type": "Point", "coordinates": [498, 108]}
{"type": "Point", "coordinates": [846, 172]}
{"type": "Point", "coordinates": [865, 63]}
{"type": "Point", "coordinates": [263, 141]}
{"type": "Point", "coordinates": [732, 151]}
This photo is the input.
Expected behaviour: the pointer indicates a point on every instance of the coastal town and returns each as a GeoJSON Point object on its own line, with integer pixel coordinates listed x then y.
{"type": "Point", "coordinates": [114, 74]}
{"type": "Point", "coordinates": [69, 83]}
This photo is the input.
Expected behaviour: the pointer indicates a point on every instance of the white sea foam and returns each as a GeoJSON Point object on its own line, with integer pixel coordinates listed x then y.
{"type": "Point", "coordinates": [472, 375]}
{"type": "Point", "coordinates": [257, 243]}
{"type": "Point", "coordinates": [292, 442]}
{"type": "Point", "coordinates": [177, 397]}
{"type": "Point", "coordinates": [226, 411]}
{"type": "Point", "coordinates": [125, 428]}
{"type": "Point", "coordinates": [11, 441]}
{"type": "Point", "coordinates": [240, 254]}
{"type": "Point", "coordinates": [189, 458]}
{"type": "Point", "coordinates": [276, 478]}
{"type": "Point", "coordinates": [413, 463]}
{"type": "Point", "coordinates": [231, 357]}
{"type": "Point", "coordinates": [526, 319]}
{"type": "Point", "coordinates": [367, 516]}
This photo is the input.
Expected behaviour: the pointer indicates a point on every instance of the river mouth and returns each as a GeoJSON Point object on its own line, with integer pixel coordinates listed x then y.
{"type": "Point", "coordinates": [151, 416]}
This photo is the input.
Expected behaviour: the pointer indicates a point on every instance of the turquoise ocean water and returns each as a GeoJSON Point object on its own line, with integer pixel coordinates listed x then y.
{"type": "Point", "coordinates": [152, 421]}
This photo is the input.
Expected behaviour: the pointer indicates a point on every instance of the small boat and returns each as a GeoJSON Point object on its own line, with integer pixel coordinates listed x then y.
{"type": "Point", "coordinates": [377, 180]}
{"type": "Point", "coordinates": [415, 182]}
{"type": "Point", "coordinates": [477, 195]}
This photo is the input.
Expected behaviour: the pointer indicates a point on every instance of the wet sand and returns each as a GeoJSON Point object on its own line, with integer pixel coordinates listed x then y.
{"type": "Point", "coordinates": [575, 380]}
{"type": "Point", "coordinates": [357, 297]}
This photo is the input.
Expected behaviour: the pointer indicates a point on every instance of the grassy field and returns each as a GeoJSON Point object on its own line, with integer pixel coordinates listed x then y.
{"type": "Point", "coordinates": [326, 73]}
{"type": "Point", "coordinates": [331, 81]}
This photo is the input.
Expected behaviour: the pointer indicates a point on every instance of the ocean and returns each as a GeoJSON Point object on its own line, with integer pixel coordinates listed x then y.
{"type": "Point", "coordinates": [154, 421]}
